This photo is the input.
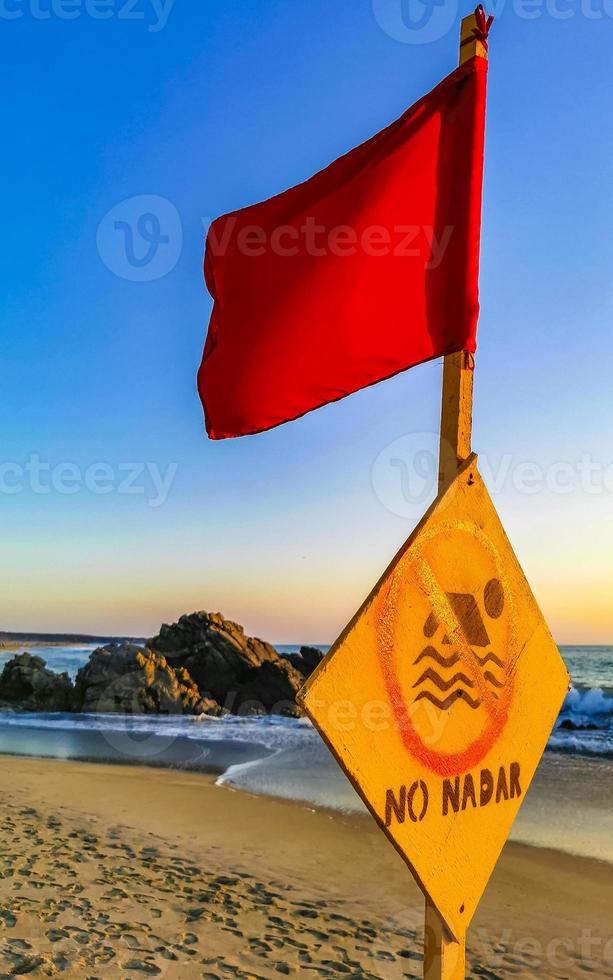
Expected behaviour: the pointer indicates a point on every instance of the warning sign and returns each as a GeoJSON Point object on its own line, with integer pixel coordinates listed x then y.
{"type": "Point", "coordinates": [440, 695]}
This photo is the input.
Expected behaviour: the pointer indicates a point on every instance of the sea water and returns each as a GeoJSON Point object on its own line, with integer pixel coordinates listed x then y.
{"type": "Point", "coordinates": [569, 806]}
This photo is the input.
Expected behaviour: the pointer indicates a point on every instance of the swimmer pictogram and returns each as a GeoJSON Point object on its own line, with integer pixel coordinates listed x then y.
{"type": "Point", "coordinates": [460, 686]}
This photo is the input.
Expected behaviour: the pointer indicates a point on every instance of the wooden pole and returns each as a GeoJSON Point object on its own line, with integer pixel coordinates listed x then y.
{"type": "Point", "coordinates": [458, 369]}
{"type": "Point", "coordinates": [444, 957]}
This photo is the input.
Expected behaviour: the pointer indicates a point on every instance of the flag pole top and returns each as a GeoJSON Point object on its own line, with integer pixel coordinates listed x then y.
{"type": "Point", "coordinates": [474, 35]}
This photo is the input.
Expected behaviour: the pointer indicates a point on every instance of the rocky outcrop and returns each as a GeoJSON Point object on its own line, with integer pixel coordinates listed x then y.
{"type": "Point", "coordinates": [28, 685]}
{"type": "Point", "coordinates": [243, 674]}
{"type": "Point", "coordinates": [306, 661]}
{"type": "Point", "coordinates": [127, 679]}
{"type": "Point", "coordinates": [203, 664]}
{"type": "Point", "coordinates": [575, 726]}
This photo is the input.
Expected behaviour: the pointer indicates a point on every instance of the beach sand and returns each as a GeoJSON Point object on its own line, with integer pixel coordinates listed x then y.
{"type": "Point", "coordinates": [113, 871]}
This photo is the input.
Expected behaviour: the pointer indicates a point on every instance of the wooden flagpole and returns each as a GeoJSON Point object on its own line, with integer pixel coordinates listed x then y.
{"type": "Point", "coordinates": [458, 370]}
{"type": "Point", "coordinates": [444, 957]}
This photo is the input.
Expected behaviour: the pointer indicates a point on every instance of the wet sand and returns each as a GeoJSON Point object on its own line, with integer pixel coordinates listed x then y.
{"type": "Point", "coordinates": [109, 871]}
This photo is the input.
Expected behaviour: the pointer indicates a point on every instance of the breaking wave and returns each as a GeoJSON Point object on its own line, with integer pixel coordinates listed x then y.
{"type": "Point", "coordinates": [585, 724]}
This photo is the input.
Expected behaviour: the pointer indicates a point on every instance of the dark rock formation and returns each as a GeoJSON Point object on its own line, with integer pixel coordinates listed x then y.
{"type": "Point", "coordinates": [203, 664]}
{"type": "Point", "coordinates": [27, 684]}
{"type": "Point", "coordinates": [306, 661]}
{"type": "Point", "coordinates": [244, 674]}
{"type": "Point", "coordinates": [574, 726]}
{"type": "Point", "coordinates": [127, 679]}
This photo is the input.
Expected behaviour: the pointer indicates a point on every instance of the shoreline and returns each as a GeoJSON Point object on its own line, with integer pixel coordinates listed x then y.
{"type": "Point", "coordinates": [115, 747]}
{"type": "Point", "coordinates": [10, 646]}
{"type": "Point", "coordinates": [114, 866]}
{"type": "Point", "coordinates": [568, 808]}
{"type": "Point", "coordinates": [18, 646]}
{"type": "Point", "coordinates": [213, 773]}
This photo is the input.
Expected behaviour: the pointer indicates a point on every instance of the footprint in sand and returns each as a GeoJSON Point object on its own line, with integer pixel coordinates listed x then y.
{"type": "Point", "coordinates": [149, 969]}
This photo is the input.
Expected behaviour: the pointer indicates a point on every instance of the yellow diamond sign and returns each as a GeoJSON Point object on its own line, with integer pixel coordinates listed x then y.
{"type": "Point", "coordinates": [439, 697]}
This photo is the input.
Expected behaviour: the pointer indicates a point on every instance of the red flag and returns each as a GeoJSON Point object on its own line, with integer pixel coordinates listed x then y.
{"type": "Point", "coordinates": [366, 269]}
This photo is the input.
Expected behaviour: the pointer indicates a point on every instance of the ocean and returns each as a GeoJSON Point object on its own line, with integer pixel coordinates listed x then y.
{"type": "Point", "coordinates": [568, 807]}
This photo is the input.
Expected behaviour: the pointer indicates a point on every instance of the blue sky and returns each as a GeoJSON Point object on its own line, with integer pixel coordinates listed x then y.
{"type": "Point", "coordinates": [212, 106]}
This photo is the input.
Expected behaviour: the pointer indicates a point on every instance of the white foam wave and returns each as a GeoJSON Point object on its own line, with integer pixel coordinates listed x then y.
{"type": "Point", "coordinates": [593, 703]}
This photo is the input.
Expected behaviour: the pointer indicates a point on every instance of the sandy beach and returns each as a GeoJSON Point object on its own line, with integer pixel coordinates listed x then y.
{"type": "Point", "coordinates": [120, 871]}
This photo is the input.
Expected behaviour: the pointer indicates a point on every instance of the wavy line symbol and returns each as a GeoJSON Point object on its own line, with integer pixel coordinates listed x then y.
{"type": "Point", "coordinates": [441, 683]}
{"type": "Point", "coordinates": [450, 661]}
{"type": "Point", "coordinates": [492, 680]}
{"type": "Point", "coordinates": [432, 675]}
{"type": "Point", "coordinates": [482, 661]}
{"type": "Point", "coordinates": [458, 695]}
